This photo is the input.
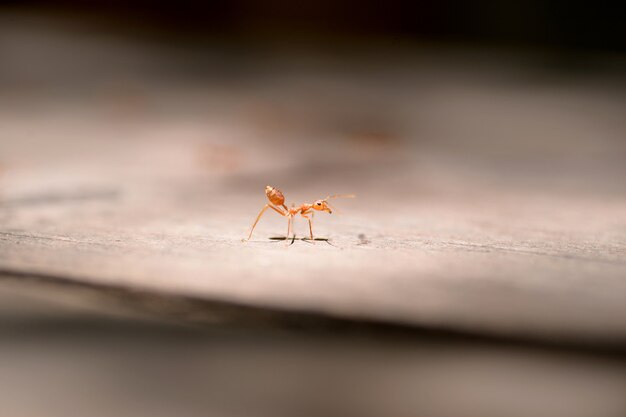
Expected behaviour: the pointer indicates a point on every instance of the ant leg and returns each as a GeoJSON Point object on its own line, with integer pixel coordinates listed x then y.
{"type": "Point", "coordinates": [259, 217]}
{"type": "Point", "coordinates": [310, 222]}
{"type": "Point", "coordinates": [310, 219]}
{"type": "Point", "coordinates": [289, 226]}
{"type": "Point", "coordinates": [257, 220]}
{"type": "Point", "coordinates": [278, 210]}
{"type": "Point", "coordinates": [289, 223]}
{"type": "Point", "coordinates": [310, 228]}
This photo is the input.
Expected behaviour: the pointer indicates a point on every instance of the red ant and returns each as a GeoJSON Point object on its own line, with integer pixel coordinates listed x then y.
{"type": "Point", "coordinates": [277, 203]}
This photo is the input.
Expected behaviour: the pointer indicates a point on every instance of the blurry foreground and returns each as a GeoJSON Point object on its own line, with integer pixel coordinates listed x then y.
{"type": "Point", "coordinates": [57, 364]}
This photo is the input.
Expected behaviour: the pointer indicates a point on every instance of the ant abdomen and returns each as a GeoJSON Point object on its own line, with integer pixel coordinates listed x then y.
{"type": "Point", "coordinates": [275, 196]}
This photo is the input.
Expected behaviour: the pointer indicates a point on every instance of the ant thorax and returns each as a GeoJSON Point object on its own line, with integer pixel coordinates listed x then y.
{"type": "Point", "coordinates": [303, 208]}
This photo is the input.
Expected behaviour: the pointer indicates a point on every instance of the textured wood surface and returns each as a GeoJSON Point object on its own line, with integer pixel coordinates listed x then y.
{"type": "Point", "coordinates": [491, 196]}
{"type": "Point", "coordinates": [480, 272]}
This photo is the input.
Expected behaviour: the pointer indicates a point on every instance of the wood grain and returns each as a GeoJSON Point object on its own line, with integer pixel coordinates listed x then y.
{"type": "Point", "coordinates": [489, 201]}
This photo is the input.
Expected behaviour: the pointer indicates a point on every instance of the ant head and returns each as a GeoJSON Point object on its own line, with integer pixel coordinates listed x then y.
{"type": "Point", "coordinates": [321, 205]}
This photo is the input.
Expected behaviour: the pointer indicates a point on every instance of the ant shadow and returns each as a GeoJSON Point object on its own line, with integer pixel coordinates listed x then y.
{"type": "Point", "coordinates": [303, 239]}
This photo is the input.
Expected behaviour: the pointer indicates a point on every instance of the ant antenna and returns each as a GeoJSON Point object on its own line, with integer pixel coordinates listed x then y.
{"type": "Point", "coordinates": [340, 196]}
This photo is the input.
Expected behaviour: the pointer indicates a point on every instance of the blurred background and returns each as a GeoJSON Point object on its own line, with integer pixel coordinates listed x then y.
{"type": "Point", "coordinates": [480, 271]}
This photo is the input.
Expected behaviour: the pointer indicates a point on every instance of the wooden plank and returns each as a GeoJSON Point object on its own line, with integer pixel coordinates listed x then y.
{"type": "Point", "coordinates": [481, 207]}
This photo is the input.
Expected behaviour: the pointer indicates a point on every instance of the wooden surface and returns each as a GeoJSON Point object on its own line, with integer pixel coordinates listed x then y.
{"type": "Point", "coordinates": [491, 198]}
{"type": "Point", "coordinates": [481, 270]}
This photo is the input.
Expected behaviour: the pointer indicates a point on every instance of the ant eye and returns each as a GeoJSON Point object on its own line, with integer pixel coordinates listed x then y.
{"type": "Point", "coordinates": [319, 204]}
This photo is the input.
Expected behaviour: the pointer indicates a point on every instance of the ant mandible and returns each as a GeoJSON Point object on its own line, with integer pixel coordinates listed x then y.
{"type": "Point", "coordinates": [306, 210]}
